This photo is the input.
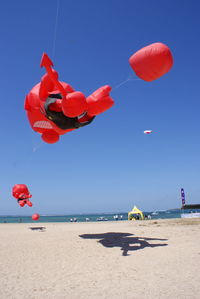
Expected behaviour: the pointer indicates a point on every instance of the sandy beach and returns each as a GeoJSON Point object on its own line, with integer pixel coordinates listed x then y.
{"type": "Point", "coordinates": [149, 259]}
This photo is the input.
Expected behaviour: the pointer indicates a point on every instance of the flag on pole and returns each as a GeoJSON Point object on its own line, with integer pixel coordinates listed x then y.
{"type": "Point", "coordinates": [183, 197]}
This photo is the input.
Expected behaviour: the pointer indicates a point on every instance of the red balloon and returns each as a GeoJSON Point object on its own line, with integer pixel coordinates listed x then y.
{"type": "Point", "coordinates": [21, 193]}
{"type": "Point", "coordinates": [152, 62]}
{"type": "Point", "coordinates": [35, 216]}
{"type": "Point", "coordinates": [50, 136]}
{"type": "Point", "coordinates": [54, 108]}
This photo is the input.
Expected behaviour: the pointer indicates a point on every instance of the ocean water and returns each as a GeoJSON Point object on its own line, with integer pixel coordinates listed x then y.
{"type": "Point", "coordinates": [91, 217]}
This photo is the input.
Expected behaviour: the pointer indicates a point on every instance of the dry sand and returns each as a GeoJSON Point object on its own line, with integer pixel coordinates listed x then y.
{"type": "Point", "coordinates": [135, 259]}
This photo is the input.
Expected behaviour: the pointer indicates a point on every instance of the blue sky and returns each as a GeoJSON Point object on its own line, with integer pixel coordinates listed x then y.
{"type": "Point", "coordinates": [109, 165]}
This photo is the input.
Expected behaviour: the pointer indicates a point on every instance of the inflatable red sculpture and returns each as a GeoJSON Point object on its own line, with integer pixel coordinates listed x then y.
{"type": "Point", "coordinates": [21, 193]}
{"type": "Point", "coordinates": [152, 61]}
{"type": "Point", "coordinates": [54, 108]}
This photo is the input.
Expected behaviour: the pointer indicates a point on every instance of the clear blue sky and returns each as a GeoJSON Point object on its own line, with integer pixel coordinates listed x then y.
{"type": "Point", "coordinates": [109, 165]}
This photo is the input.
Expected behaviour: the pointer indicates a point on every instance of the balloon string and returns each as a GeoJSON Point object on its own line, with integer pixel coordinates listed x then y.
{"type": "Point", "coordinates": [124, 82]}
{"type": "Point", "coordinates": [35, 148]}
{"type": "Point", "coordinates": [55, 30]}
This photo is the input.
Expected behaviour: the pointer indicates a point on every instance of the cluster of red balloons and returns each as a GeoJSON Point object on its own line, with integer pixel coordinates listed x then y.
{"type": "Point", "coordinates": [22, 194]}
{"type": "Point", "coordinates": [54, 108]}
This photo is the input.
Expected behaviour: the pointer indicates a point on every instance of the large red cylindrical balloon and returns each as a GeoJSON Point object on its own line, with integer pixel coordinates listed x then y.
{"type": "Point", "coordinates": [35, 216]}
{"type": "Point", "coordinates": [152, 61]}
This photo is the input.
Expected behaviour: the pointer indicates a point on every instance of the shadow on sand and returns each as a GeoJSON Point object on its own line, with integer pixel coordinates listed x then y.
{"type": "Point", "coordinates": [124, 240]}
{"type": "Point", "coordinates": [38, 228]}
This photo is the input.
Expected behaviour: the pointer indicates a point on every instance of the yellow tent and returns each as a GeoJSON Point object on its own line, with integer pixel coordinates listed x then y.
{"type": "Point", "coordinates": [135, 214]}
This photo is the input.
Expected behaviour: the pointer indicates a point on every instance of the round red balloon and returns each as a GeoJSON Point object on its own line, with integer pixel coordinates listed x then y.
{"type": "Point", "coordinates": [35, 216]}
{"type": "Point", "coordinates": [152, 61]}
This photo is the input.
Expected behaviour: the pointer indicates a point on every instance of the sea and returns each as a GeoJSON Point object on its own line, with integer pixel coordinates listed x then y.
{"type": "Point", "coordinates": [168, 214]}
